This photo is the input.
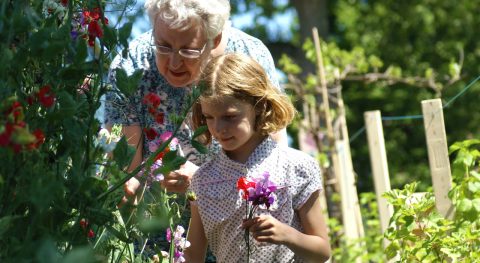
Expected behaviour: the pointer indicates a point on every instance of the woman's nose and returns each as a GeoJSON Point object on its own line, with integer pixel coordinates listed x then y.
{"type": "Point", "coordinates": [175, 60]}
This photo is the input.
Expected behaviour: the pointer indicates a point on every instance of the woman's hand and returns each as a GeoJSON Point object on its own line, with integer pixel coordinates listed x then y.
{"type": "Point", "coordinates": [130, 188]}
{"type": "Point", "coordinates": [266, 228]}
{"type": "Point", "coordinates": [178, 181]}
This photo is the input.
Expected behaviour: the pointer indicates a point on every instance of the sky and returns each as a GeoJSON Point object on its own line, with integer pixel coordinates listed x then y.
{"type": "Point", "coordinates": [277, 28]}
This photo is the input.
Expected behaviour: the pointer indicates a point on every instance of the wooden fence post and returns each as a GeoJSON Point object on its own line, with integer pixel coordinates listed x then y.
{"type": "Point", "coordinates": [378, 160]}
{"type": "Point", "coordinates": [438, 155]}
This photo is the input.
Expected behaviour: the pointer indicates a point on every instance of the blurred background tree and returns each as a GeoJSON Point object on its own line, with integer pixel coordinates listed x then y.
{"type": "Point", "coordinates": [432, 39]}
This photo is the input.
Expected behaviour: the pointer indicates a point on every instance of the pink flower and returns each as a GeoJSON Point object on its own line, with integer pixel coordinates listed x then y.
{"type": "Point", "coordinates": [179, 243]}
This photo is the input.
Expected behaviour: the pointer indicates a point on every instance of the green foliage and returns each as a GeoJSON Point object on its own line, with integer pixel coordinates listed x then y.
{"type": "Point", "coordinates": [419, 234]}
{"type": "Point", "coordinates": [367, 249]}
{"type": "Point", "coordinates": [432, 39]}
{"type": "Point", "coordinates": [59, 186]}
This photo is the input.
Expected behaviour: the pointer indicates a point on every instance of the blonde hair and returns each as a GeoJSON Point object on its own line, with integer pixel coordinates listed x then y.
{"type": "Point", "coordinates": [241, 77]}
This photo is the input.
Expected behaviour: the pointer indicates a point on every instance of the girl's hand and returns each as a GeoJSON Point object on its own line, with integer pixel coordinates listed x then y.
{"type": "Point", "coordinates": [266, 228]}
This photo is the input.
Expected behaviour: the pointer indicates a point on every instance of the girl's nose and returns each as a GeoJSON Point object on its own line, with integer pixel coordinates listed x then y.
{"type": "Point", "coordinates": [219, 127]}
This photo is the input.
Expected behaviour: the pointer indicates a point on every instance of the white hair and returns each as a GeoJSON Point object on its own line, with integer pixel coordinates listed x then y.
{"type": "Point", "coordinates": [180, 14]}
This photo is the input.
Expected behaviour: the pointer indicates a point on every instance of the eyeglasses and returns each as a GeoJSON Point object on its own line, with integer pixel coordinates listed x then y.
{"type": "Point", "coordinates": [189, 53]}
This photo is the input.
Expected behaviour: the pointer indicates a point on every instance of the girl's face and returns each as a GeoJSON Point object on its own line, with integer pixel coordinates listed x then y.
{"type": "Point", "coordinates": [178, 70]}
{"type": "Point", "coordinates": [232, 123]}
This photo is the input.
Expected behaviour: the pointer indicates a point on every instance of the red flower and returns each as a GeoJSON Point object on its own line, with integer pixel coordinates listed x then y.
{"type": "Point", "coordinates": [83, 223]}
{"type": "Point", "coordinates": [152, 100]}
{"type": "Point", "coordinates": [94, 30]}
{"type": "Point", "coordinates": [64, 2]}
{"type": "Point", "coordinates": [91, 234]}
{"type": "Point", "coordinates": [91, 19]}
{"type": "Point", "coordinates": [159, 117]}
{"type": "Point", "coordinates": [161, 154]}
{"type": "Point", "coordinates": [30, 100]}
{"type": "Point", "coordinates": [243, 185]}
{"type": "Point", "coordinates": [40, 139]}
{"type": "Point", "coordinates": [46, 97]}
{"type": "Point", "coordinates": [6, 135]}
{"type": "Point", "coordinates": [16, 111]}
{"type": "Point", "coordinates": [151, 133]}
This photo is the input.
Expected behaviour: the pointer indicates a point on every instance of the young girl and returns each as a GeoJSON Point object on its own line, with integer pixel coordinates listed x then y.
{"type": "Point", "coordinates": [241, 107]}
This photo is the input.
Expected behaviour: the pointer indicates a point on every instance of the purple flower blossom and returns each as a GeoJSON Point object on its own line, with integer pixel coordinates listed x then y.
{"type": "Point", "coordinates": [179, 243]}
{"type": "Point", "coordinates": [259, 190]}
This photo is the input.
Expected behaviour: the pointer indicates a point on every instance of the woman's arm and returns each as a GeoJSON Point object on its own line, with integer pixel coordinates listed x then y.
{"type": "Point", "coordinates": [196, 236]}
{"type": "Point", "coordinates": [133, 134]}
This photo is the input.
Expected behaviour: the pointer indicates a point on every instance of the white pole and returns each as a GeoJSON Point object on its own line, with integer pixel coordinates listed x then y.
{"type": "Point", "coordinates": [378, 160]}
{"type": "Point", "coordinates": [438, 155]}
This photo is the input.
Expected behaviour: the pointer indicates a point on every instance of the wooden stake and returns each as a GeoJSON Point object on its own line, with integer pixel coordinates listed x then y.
{"type": "Point", "coordinates": [438, 155]}
{"type": "Point", "coordinates": [378, 160]}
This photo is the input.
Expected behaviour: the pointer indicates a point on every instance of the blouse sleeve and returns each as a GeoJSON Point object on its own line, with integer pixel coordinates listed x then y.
{"type": "Point", "coordinates": [308, 179]}
{"type": "Point", "coordinates": [240, 42]}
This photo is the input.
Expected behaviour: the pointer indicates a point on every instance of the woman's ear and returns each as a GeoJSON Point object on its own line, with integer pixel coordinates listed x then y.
{"type": "Point", "coordinates": [217, 40]}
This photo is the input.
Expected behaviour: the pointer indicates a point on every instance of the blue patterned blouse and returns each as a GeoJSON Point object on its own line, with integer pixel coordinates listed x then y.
{"type": "Point", "coordinates": [141, 56]}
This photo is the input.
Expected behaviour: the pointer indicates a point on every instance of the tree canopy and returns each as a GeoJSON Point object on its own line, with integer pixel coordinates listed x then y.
{"type": "Point", "coordinates": [435, 40]}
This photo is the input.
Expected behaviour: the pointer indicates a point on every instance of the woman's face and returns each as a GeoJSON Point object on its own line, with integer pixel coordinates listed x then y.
{"type": "Point", "coordinates": [178, 70]}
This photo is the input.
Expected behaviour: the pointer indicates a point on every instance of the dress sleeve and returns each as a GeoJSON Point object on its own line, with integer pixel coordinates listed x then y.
{"type": "Point", "coordinates": [307, 180]}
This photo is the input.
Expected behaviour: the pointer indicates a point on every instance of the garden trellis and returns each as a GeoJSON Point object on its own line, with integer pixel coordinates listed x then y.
{"type": "Point", "coordinates": [436, 143]}
{"type": "Point", "coordinates": [323, 132]}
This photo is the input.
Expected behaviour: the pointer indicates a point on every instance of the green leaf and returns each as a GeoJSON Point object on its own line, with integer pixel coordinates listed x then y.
{"type": "Point", "coordinates": [124, 33]}
{"type": "Point", "coordinates": [128, 84]}
{"type": "Point", "coordinates": [199, 147]}
{"type": "Point", "coordinates": [81, 254]}
{"type": "Point", "coordinates": [199, 131]}
{"type": "Point", "coordinates": [474, 186]}
{"type": "Point", "coordinates": [67, 105]}
{"type": "Point", "coordinates": [171, 161]}
{"type": "Point", "coordinates": [476, 204]}
{"type": "Point", "coordinates": [109, 38]}
{"type": "Point", "coordinates": [118, 234]}
{"type": "Point", "coordinates": [154, 224]}
{"type": "Point", "coordinates": [81, 51]}
{"type": "Point", "coordinates": [464, 205]}
{"type": "Point", "coordinates": [123, 153]}
{"type": "Point", "coordinates": [5, 223]}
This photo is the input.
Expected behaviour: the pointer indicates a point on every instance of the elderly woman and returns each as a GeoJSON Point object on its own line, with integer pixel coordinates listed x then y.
{"type": "Point", "coordinates": [185, 34]}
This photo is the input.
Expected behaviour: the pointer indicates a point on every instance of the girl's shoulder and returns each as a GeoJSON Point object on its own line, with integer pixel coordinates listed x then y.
{"type": "Point", "coordinates": [292, 155]}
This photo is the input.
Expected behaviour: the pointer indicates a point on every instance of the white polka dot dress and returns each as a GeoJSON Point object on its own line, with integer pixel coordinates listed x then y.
{"type": "Point", "coordinates": [222, 210]}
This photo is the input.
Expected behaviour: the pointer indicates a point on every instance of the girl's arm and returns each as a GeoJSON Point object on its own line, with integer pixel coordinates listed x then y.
{"type": "Point", "coordinates": [312, 245]}
{"type": "Point", "coordinates": [196, 236]}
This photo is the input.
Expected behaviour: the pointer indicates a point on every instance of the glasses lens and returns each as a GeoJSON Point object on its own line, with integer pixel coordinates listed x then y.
{"type": "Point", "coordinates": [164, 50]}
{"type": "Point", "coordinates": [189, 53]}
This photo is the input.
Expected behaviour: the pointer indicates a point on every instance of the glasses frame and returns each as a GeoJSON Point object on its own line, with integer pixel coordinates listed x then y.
{"type": "Point", "coordinates": [188, 53]}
